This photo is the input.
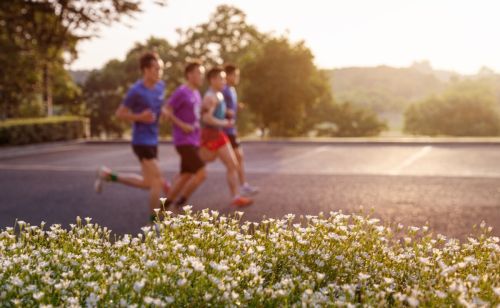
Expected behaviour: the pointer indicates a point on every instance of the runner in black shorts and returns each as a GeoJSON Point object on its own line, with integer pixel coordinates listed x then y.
{"type": "Point", "coordinates": [145, 152]}
{"type": "Point", "coordinates": [142, 106]}
{"type": "Point", "coordinates": [190, 158]}
{"type": "Point", "coordinates": [231, 99]}
{"type": "Point", "coordinates": [183, 109]}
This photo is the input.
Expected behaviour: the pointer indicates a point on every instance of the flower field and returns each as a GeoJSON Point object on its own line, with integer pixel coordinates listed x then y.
{"type": "Point", "coordinates": [205, 259]}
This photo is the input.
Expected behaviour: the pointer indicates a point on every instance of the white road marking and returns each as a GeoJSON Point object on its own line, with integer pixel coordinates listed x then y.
{"type": "Point", "coordinates": [291, 160]}
{"type": "Point", "coordinates": [410, 160]}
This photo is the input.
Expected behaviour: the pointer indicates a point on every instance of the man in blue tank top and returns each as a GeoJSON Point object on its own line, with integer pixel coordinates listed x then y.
{"type": "Point", "coordinates": [142, 107]}
{"type": "Point", "coordinates": [232, 105]}
{"type": "Point", "coordinates": [214, 142]}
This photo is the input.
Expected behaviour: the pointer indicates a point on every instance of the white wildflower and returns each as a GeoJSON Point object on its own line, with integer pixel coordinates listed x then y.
{"type": "Point", "coordinates": [440, 294]}
{"type": "Point", "coordinates": [363, 276]}
{"type": "Point", "coordinates": [151, 263]}
{"type": "Point", "coordinates": [413, 302]}
{"type": "Point", "coordinates": [16, 281]}
{"type": "Point", "coordinates": [37, 296]}
{"type": "Point", "coordinates": [497, 291]}
{"type": "Point", "coordinates": [139, 285]}
{"type": "Point", "coordinates": [388, 280]}
{"type": "Point", "coordinates": [92, 300]}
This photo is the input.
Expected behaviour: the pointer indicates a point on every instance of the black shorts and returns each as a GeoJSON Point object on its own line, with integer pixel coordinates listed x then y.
{"type": "Point", "coordinates": [235, 142]}
{"type": "Point", "coordinates": [145, 151]}
{"type": "Point", "coordinates": [190, 158]}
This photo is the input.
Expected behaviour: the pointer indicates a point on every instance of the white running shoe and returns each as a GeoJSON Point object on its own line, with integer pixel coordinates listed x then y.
{"type": "Point", "coordinates": [102, 175]}
{"type": "Point", "coordinates": [249, 190]}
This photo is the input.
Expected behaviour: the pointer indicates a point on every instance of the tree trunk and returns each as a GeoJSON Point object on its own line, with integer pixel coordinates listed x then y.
{"type": "Point", "coordinates": [47, 89]}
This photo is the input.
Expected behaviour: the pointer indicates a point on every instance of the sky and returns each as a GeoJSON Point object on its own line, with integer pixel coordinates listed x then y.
{"type": "Point", "coordinates": [457, 35]}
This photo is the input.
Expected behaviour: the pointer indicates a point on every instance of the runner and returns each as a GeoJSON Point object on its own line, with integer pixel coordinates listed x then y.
{"type": "Point", "coordinates": [142, 107]}
{"type": "Point", "coordinates": [231, 99]}
{"type": "Point", "coordinates": [213, 140]}
{"type": "Point", "coordinates": [183, 109]}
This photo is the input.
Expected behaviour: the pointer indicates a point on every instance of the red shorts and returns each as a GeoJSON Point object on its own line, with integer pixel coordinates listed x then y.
{"type": "Point", "coordinates": [213, 139]}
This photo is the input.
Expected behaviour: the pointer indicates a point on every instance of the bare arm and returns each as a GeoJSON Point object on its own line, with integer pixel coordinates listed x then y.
{"type": "Point", "coordinates": [168, 112]}
{"type": "Point", "coordinates": [208, 107]}
{"type": "Point", "coordinates": [124, 113]}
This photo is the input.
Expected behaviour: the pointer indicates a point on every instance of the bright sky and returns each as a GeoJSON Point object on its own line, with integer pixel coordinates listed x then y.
{"type": "Point", "coordinates": [459, 35]}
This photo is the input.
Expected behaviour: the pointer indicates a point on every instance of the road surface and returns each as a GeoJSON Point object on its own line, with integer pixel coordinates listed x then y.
{"type": "Point", "coordinates": [450, 186]}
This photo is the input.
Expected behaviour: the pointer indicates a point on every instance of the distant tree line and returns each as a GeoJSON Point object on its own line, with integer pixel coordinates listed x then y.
{"type": "Point", "coordinates": [285, 94]}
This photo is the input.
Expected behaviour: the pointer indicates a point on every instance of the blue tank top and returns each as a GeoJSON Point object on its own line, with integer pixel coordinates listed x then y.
{"type": "Point", "coordinates": [220, 109]}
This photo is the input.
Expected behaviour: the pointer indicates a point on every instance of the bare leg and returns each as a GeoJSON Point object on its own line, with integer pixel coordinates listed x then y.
{"type": "Point", "coordinates": [133, 180]}
{"type": "Point", "coordinates": [241, 166]}
{"type": "Point", "coordinates": [129, 179]}
{"type": "Point", "coordinates": [194, 182]}
{"type": "Point", "coordinates": [153, 178]}
{"type": "Point", "coordinates": [228, 158]}
{"type": "Point", "coordinates": [179, 183]}
{"type": "Point", "coordinates": [206, 155]}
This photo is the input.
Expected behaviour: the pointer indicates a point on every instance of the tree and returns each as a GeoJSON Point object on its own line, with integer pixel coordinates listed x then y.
{"type": "Point", "coordinates": [103, 92]}
{"type": "Point", "coordinates": [18, 80]}
{"type": "Point", "coordinates": [226, 37]}
{"type": "Point", "coordinates": [50, 30]}
{"type": "Point", "coordinates": [283, 87]}
{"type": "Point", "coordinates": [467, 108]}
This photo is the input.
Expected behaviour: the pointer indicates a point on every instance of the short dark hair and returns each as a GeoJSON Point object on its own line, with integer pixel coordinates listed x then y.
{"type": "Point", "coordinates": [213, 72]}
{"type": "Point", "coordinates": [230, 68]}
{"type": "Point", "coordinates": [191, 66]}
{"type": "Point", "coordinates": [146, 59]}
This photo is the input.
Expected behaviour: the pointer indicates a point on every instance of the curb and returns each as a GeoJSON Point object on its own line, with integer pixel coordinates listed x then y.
{"type": "Point", "coordinates": [40, 148]}
{"type": "Point", "coordinates": [344, 141]}
{"type": "Point", "coordinates": [26, 150]}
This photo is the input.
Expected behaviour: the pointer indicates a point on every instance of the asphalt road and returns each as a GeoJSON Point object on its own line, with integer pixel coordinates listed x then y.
{"type": "Point", "coordinates": [449, 186]}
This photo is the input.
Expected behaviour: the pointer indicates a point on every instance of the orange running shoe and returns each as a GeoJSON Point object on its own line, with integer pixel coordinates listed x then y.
{"type": "Point", "coordinates": [242, 201]}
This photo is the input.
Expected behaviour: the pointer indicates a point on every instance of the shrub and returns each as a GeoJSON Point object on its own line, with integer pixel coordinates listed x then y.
{"type": "Point", "coordinates": [349, 120]}
{"type": "Point", "coordinates": [26, 131]}
{"type": "Point", "coordinates": [468, 108]}
{"type": "Point", "coordinates": [205, 259]}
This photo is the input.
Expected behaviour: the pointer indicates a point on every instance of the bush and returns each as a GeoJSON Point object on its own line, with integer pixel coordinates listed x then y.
{"type": "Point", "coordinates": [349, 120]}
{"type": "Point", "coordinates": [204, 259]}
{"type": "Point", "coordinates": [468, 108]}
{"type": "Point", "coordinates": [26, 131]}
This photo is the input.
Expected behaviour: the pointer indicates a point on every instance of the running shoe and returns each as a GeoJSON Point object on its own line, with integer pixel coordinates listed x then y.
{"type": "Point", "coordinates": [249, 190]}
{"type": "Point", "coordinates": [242, 201]}
{"type": "Point", "coordinates": [101, 176]}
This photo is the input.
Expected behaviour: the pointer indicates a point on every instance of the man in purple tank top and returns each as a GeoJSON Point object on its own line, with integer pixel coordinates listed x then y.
{"type": "Point", "coordinates": [183, 109]}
